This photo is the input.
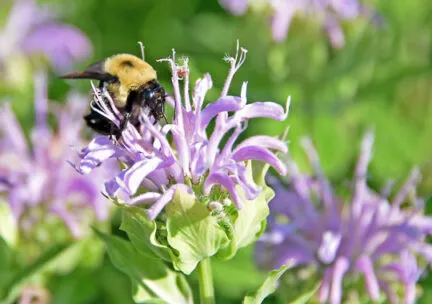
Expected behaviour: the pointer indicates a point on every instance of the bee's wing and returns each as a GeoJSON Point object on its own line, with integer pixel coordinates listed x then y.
{"type": "Point", "coordinates": [94, 71]}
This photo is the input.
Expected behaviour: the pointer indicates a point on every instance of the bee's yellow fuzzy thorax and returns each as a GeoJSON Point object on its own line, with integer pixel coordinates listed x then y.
{"type": "Point", "coordinates": [132, 73]}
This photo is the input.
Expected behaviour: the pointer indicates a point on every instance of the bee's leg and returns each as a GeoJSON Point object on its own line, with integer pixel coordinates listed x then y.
{"type": "Point", "coordinates": [124, 121]}
{"type": "Point", "coordinates": [164, 117]}
{"type": "Point", "coordinates": [115, 132]}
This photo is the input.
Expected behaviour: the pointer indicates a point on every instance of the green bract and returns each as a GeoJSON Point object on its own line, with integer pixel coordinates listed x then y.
{"type": "Point", "coordinates": [188, 231]}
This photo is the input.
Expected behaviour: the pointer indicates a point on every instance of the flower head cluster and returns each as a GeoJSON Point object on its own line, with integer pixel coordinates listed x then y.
{"type": "Point", "coordinates": [369, 237]}
{"type": "Point", "coordinates": [37, 181]}
{"type": "Point", "coordinates": [32, 30]}
{"type": "Point", "coordinates": [190, 153]}
{"type": "Point", "coordinates": [328, 13]}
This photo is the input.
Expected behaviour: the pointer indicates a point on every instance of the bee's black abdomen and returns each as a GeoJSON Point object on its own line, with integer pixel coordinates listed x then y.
{"type": "Point", "coordinates": [100, 124]}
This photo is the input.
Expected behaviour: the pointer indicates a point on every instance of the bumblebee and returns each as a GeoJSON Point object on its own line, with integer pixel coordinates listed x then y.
{"type": "Point", "coordinates": [133, 86]}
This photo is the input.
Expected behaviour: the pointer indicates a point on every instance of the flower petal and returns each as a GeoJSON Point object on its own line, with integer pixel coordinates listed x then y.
{"type": "Point", "coordinates": [236, 7]}
{"type": "Point", "coordinates": [224, 104]}
{"type": "Point", "coordinates": [364, 265]}
{"type": "Point", "coordinates": [100, 149]}
{"type": "Point", "coordinates": [167, 197]}
{"type": "Point", "coordinates": [202, 86]}
{"type": "Point", "coordinates": [12, 131]}
{"type": "Point", "coordinates": [70, 45]}
{"type": "Point", "coordinates": [264, 141]}
{"type": "Point", "coordinates": [183, 149]}
{"type": "Point", "coordinates": [85, 188]}
{"type": "Point", "coordinates": [130, 179]}
{"type": "Point", "coordinates": [261, 154]}
{"type": "Point", "coordinates": [341, 266]}
{"type": "Point", "coordinates": [281, 22]}
{"type": "Point", "coordinates": [146, 198]}
{"type": "Point", "coordinates": [224, 180]}
{"type": "Point", "coordinates": [264, 109]}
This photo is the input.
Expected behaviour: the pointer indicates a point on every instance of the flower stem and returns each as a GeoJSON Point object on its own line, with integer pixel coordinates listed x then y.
{"type": "Point", "coordinates": [206, 282]}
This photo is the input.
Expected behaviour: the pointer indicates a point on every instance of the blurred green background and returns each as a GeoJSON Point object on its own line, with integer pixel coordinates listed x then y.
{"type": "Point", "coordinates": [381, 79]}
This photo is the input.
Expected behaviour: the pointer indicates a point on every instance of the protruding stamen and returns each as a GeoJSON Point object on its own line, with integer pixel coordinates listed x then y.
{"type": "Point", "coordinates": [235, 64]}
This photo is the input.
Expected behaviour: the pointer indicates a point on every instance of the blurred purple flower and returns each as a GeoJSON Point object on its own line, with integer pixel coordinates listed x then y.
{"type": "Point", "coordinates": [31, 30]}
{"type": "Point", "coordinates": [328, 13]}
{"type": "Point", "coordinates": [38, 176]}
{"type": "Point", "coordinates": [198, 162]}
{"type": "Point", "coordinates": [236, 7]}
{"type": "Point", "coordinates": [367, 237]}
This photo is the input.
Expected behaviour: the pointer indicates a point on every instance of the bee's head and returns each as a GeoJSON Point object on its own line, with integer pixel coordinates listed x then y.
{"type": "Point", "coordinates": [153, 97]}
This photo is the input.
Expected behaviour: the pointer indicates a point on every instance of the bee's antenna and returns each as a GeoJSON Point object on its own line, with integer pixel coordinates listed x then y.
{"type": "Point", "coordinates": [142, 50]}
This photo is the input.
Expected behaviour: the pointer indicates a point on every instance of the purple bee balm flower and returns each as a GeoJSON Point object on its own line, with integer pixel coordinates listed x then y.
{"type": "Point", "coordinates": [38, 177]}
{"type": "Point", "coordinates": [62, 44]}
{"type": "Point", "coordinates": [328, 13]}
{"type": "Point", "coordinates": [368, 237]}
{"type": "Point", "coordinates": [31, 30]}
{"type": "Point", "coordinates": [192, 158]}
{"type": "Point", "coordinates": [236, 7]}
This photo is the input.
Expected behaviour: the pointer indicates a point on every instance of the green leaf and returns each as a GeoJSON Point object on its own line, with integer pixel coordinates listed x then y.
{"type": "Point", "coordinates": [268, 287]}
{"type": "Point", "coordinates": [233, 277]}
{"type": "Point", "coordinates": [142, 233]}
{"type": "Point", "coordinates": [7, 271]}
{"type": "Point", "coordinates": [10, 287]}
{"type": "Point", "coordinates": [251, 220]}
{"type": "Point", "coordinates": [153, 280]}
{"type": "Point", "coordinates": [6, 254]}
{"type": "Point", "coordinates": [192, 232]}
{"type": "Point", "coordinates": [8, 225]}
{"type": "Point", "coordinates": [304, 298]}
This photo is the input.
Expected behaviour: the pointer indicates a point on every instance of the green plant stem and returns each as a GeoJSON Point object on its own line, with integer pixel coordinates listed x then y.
{"type": "Point", "coordinates": [206, 282]}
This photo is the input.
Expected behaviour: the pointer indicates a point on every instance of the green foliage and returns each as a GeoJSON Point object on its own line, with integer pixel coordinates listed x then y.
{"type": "Point", "coordinates": [15, 272]}
{"type": "Point", "coordinates": [191, 232]}
{"type": "Point", "coordinates": [303, 299]}
{"type": "Point", "coordinates": [268, 286]}
{"type": "Point", "coordinates": [153, 281]}
{"type": "Point", "coordinates": [250, 221]}
{"type": "Point", "coordinates": [142, 233]}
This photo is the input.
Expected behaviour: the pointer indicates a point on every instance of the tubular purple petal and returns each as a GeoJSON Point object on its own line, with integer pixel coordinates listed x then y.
{"type": "Point", "coordinates": [146, 198]}
{"type": "Point", "coordinates": [324, 290]}
{"type": "Point", "coordinates": [236, 7]}
{"type": "Point", "coordinates": [365, 266]}
{"type": "Point", "coordinates": [157, 207]}
{"type": "Point", "coordinates": [182, 148]}
{"type": "Point", "coordinates": [12, 134]}
{"type": "Point", "coordinates": [411, 182]}
{"type": "Point", "coordinates": [261, 154]}
{"type": "Point", "coordinates": [41, 99]}
{"type": "Point", "coordinates": [70, 45]}
{"type": "Point", "coordinates": [341, 266]}
{"type": "Point", "coordinates": [263, 109]}
{"type": "Point", "coordinates": [132, 177]}
{"type": "Point", "coordinates": [263, 141]}
{"type": "Point", "coordinates": [202, 86]}
{"type": "Point", "coordinates": [362, 164]}
{"type": "Point", "coordinates": [281, 23]}
{"type": "Point", "coordinates": [99, 150]}
{"type": "Point", "coordinates": [224, 104]}
{"type": "Point", "coordinates": [69, 220]}
{"type": "Point", "coordinates": [224, 180]}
